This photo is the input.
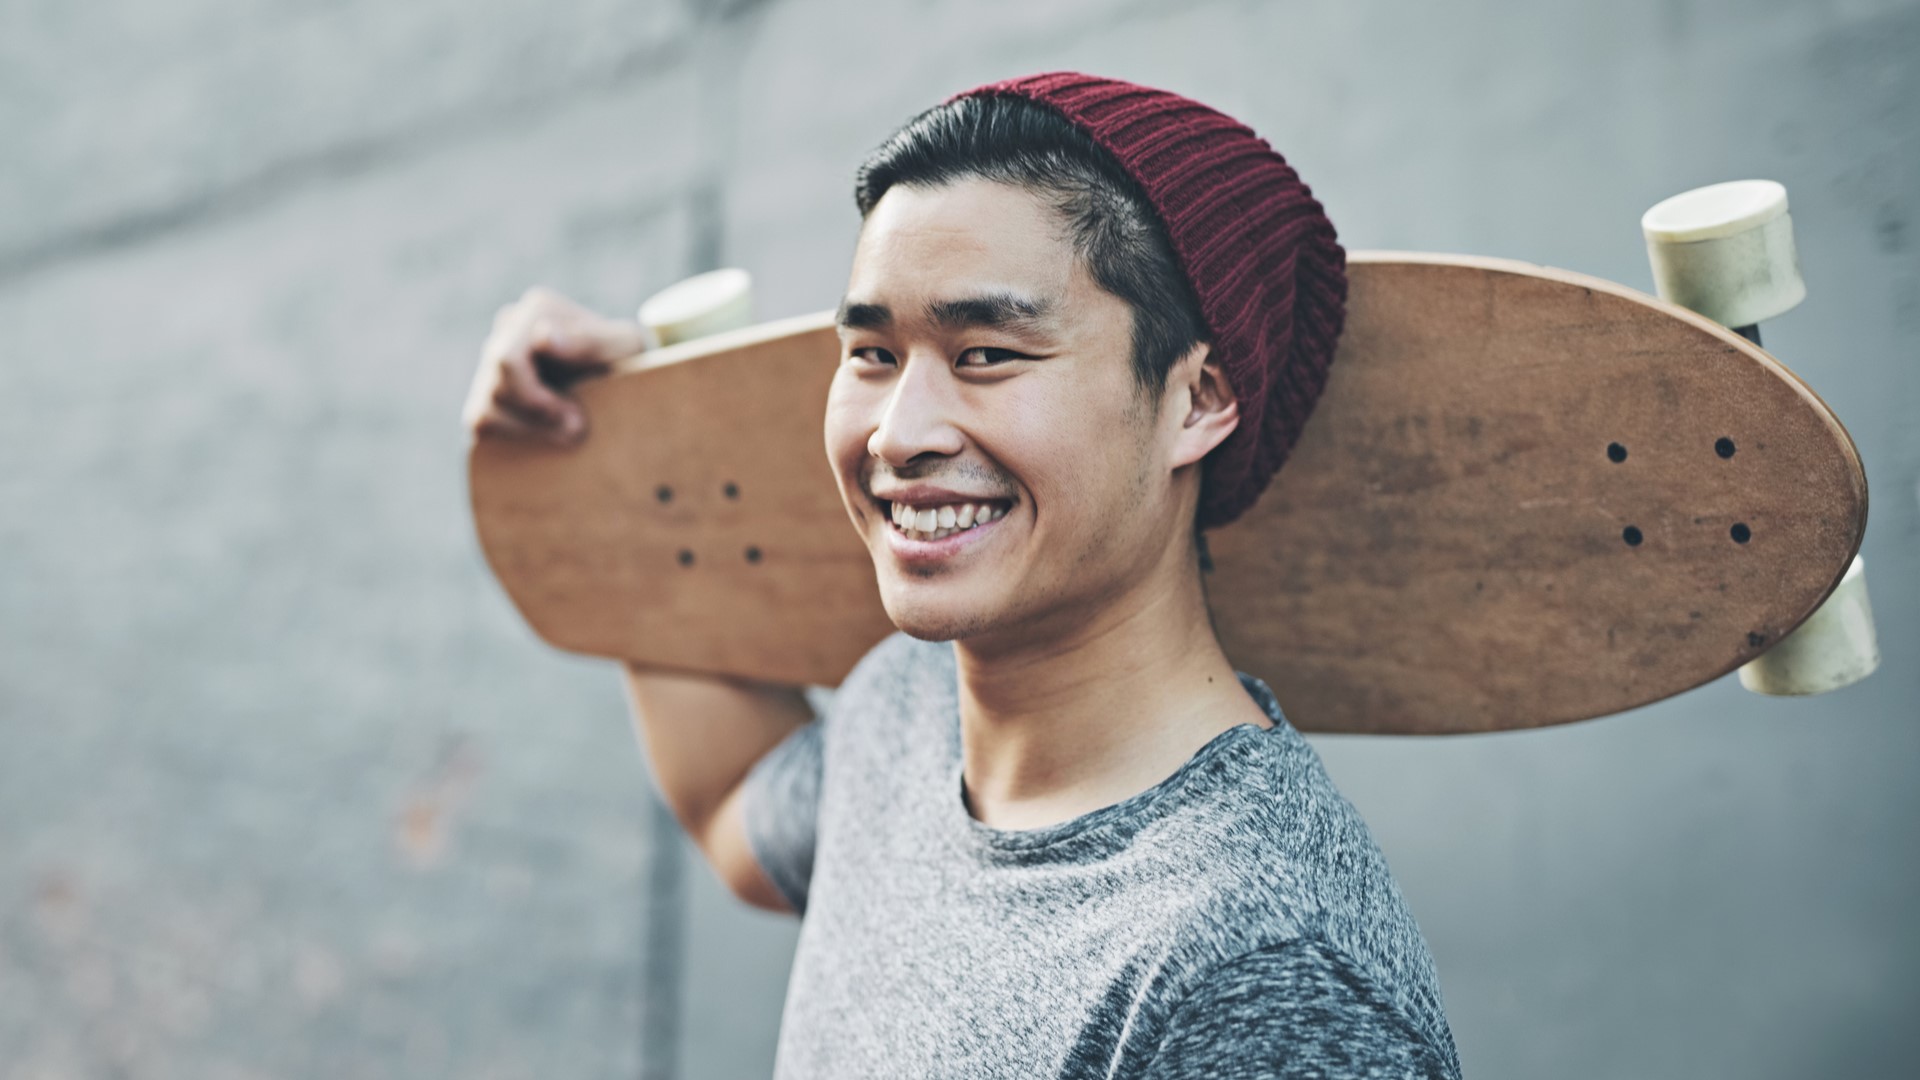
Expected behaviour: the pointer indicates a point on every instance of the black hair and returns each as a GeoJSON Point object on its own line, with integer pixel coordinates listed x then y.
{"type": "Point", "coordinates": [1110, 221]}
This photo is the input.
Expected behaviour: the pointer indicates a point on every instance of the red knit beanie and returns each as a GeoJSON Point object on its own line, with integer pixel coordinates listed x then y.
{"type": "Point", "coordinates": [1257, 248]}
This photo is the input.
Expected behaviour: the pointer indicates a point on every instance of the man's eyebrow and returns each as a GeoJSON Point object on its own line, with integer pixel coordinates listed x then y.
{"type": "Point", "coordinates": [996, 311]}
{"type": "Point", "coordinates": [857, 316]}
{"type": "Point", "coordinates": [993, 311]}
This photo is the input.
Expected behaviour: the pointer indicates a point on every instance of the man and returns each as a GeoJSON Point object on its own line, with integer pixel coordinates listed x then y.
{"type": "Point", "coordinates": [1046, 830]}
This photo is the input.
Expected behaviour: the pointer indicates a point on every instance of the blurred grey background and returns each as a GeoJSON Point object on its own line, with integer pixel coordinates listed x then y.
{"type": "Point", "coordinates": [286, 788]}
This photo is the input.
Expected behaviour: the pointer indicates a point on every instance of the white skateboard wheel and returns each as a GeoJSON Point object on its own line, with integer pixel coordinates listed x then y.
{"type": "Point", "coordinates": [1835, 647]}
{"type": "Point", "coordinates": [1726, 251]}
{"type": "Point", "coordinates": [701, 305]}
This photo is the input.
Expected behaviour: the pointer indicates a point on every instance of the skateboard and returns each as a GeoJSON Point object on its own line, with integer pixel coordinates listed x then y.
{"type": "Point", "coordinates": [1526, 497]}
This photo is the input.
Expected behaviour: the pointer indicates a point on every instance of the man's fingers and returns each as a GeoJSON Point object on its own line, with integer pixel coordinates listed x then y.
{"type": "Point", "coordinates": [497, 424]}
{"type": "Point", "coordinates": [521, 390]}
{"type": "Point", "coordinates": [503, 422]}
{"type": "Point", "coordinates": [564, 431]}
{"type": "Point", "coordinates": [594, 343]}
{"type": "Point", "coordinates": [564, 375]}
{"type": "Point", "coordinates": [620, 339]}
{"type": "Point", "coordinates": [541, 345]}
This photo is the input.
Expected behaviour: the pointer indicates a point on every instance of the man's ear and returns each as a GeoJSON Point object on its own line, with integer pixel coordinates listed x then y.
{"type": "Point", "coordinates": [1209, 410]}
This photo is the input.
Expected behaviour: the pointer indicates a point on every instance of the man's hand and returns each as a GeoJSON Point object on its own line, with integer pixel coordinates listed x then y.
{"type": "Point", "coordinates": [540, 344]}
{"type": "Point", "coordinates": [703, 734]}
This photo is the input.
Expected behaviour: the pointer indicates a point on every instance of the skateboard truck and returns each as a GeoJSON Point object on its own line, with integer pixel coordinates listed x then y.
{"type": "Point", "coordinates": [1726, 251]}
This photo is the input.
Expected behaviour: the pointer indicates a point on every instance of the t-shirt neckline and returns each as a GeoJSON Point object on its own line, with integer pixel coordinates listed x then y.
{"type": "Point", "coordinates": [1109, 827]}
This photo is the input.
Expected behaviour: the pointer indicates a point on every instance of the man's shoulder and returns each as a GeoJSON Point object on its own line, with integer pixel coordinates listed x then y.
{"type": "Point", "coordinates": [1280, 846]}
{"type": "Point", "coordinates": [1306, 1001]}
{"type": "Point", "coordinates": [1287, 858]}
{"type": "Point", "coordinates": [1280, 871]}
{"type": "Point", "coordinates": [1276, 812]}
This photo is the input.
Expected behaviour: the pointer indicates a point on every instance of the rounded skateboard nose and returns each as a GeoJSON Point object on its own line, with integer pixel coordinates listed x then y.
{"type": "Point", "coordinates": [1727, 252]}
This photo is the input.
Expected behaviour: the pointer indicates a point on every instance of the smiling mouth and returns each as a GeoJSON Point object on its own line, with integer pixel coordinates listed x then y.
{"type": "Point", "coordinates": [937, 521]}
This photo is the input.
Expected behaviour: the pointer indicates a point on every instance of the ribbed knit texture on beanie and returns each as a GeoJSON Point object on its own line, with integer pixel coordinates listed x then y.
{"type": "Point", "coordinates": [1257, 248]}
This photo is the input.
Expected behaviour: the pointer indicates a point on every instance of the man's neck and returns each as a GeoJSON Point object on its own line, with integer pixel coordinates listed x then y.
{"type": "Point", "coordinates": [1070, 722]}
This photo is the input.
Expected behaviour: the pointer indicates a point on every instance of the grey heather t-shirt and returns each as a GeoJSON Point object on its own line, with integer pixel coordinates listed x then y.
{"type": "Point", "coordinates": [1235, 920]}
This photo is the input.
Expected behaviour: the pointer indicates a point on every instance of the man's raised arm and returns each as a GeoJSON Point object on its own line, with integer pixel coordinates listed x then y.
{"type": "Point", "coordinates": [702, 735]}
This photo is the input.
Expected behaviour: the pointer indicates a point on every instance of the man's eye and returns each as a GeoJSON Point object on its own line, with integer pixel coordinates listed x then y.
{"type": "Point", "coordinates": [872, 354]}
{"type": "Point", "coordinates": [986, 356]}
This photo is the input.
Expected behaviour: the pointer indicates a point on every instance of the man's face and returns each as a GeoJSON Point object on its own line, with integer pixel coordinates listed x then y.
{"type": "Point", "coordinates": [986, 377]}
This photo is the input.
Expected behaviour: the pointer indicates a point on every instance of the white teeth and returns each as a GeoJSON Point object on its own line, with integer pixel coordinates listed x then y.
{"type": "Point", "coordinates": [936, 523]}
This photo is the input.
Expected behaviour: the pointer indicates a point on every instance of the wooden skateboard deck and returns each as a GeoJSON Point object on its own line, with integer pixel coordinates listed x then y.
{"type": "Point", "coordinates": [1527, 497]}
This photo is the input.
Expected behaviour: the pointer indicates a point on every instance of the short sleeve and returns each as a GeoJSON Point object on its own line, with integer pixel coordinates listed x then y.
{"type": "Point", "coordinates": [1299, 1009]}
{"type": "Point", "coordinates": [780, 804]}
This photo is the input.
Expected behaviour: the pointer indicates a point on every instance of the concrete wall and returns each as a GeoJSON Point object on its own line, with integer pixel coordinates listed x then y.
{"type": "Point", "coordinates": [287, 790]}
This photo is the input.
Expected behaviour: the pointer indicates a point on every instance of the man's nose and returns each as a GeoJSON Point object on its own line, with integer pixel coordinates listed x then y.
{"type": "Point", "coordinates": [919, 414]}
